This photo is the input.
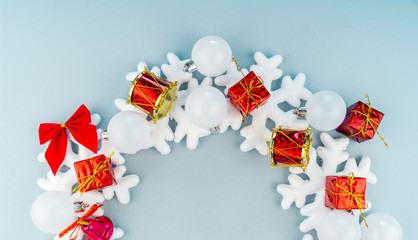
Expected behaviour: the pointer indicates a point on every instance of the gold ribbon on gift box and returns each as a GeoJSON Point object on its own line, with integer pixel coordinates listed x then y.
{"type": "Point", "coordinates": [90, 179]}
{"type": "Point", "coordinates": [355, 198]}
{"type": "Point", "coordinates": [368, 121]}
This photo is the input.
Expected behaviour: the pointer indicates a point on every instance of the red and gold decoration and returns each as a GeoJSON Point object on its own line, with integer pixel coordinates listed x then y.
{"type": "Point", "coordinates": [152, 94]}
{"type": "Point", "coordinates": [94, 173]}
{"type": "Point", "coordinates": [346, 192]}
{"type": "Point", "coordinates": [361, 122]}
{"type": "Point", "coordinates": [80, 127]}
{"type": "Point", "coordinates": [100, 228]}
{"type": "Point", "coordinates": [248, 94]}
{"type": "Point", "coordinates": [290, 148]}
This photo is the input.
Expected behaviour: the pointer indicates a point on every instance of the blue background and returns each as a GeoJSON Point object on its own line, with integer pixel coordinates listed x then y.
{"type": "Point", "coordinates": [56, 55]}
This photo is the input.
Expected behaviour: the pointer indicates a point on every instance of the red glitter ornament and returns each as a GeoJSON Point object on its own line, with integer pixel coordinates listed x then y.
{"type": "Point", "coordinates": [152, 94]}
{"type": "Point", "coordinates": [290, 148]}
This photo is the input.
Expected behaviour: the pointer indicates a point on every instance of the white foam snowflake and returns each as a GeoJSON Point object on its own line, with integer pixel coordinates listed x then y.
{"type": "Point", "coordinates": [332, 154]}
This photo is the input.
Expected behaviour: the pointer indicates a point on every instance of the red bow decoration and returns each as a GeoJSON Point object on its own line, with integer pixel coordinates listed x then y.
{"type": "Point", "coordinates": [79, 126]}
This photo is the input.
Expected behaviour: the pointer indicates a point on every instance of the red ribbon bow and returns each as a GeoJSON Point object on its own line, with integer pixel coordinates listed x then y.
{"type": "Point", "coordinates": [79, 126]}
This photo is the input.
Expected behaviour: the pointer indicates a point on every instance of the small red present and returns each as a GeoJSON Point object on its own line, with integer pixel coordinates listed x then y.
{"type": "Point", "coordinates": [345, 192]}
{"type": "Point", "coordinates": [249, 93]}
{"type": "Point", "coordinates": [361, 122]}
{"type": "Point", "coordinates": [94, 173]}
{"type": "Point", "coordinates": [290, 148]}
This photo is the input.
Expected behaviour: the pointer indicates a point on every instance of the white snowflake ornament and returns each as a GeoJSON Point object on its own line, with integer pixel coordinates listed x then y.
{"type": "Point", "coordinates": [174, 70]}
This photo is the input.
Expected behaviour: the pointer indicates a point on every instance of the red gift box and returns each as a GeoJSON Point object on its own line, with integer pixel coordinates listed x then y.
{"type": "Point", "coordinates": [361, 122]}
{"type": "Point", "coordinates": [94, 173]}
{"type": "Point", "coordinates": [290, 148]}
{"type": "Point", "coordinates": [345, 192]}
{"type": "Point", "coordinates": [249, 93]}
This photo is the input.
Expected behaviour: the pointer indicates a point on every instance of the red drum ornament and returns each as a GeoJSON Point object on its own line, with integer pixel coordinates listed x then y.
{"type": "Point", "coordinates": [290, 148]}
{"type": "Point", "coordinates": [153, 95]}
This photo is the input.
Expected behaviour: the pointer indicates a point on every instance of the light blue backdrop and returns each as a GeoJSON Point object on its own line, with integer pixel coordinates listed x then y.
{"type": "Point", "coordinates": [56, 55]}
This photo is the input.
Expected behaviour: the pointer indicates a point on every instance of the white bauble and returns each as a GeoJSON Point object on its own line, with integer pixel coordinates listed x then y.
{"type": "Point", "coordinates": [338, 225]}
{"type": "Point", "coordinates": [53, 211]}
{"type": "Point", "coordinates": [325, 110]}
{"type": "Point", "coordinates": [128, 132]}
{"type": "Point", "coordinates": [206, 107]}
{"type": "Point", "coordinates": [211, 55]}
{"type": "Point", "coordinates": [381, 227]}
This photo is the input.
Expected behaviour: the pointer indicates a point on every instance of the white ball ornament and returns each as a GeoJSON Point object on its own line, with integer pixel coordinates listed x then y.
{"type": "Point", "coordinates": [381, 227]}
{"type": "Point", "coordinates": [53, 211]}
{"type": "Point", "coordinates": [338, 225]}
{"type": "Point", "coordinates": [206, 107]}
{"type": "Point", "coordinates": [211, 55]}
{"type": "Point", "coordinates": [325, 110]}
{"type": "Point", "coordinates": [128, 132]}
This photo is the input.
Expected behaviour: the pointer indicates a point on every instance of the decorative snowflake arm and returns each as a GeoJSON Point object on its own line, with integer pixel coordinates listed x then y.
{"type": "Point", "coordinates": [233, 119]}
{"type": "Point", "coordinates": [292, 91]}
{"type": "Point", "coordinates": [187, 127]}
{"type": "Point", "coordinates": [314, 212]}
{"type": "Point", "coordinates": [332, 153]}
{"type": "Point", "coordinates": [256, 137]}
{"type": "Point", "coordinates": [174, 70]}
{"type": "Point", "coordinates": [298, 189]}
{"type": "Point", "coordinates": [107, 149]}
{"type": "Point", "coordinates": [122, 187]}
{"type": "Point", "coordinates": [117, 233]}
{"type": "Point", "coordinates": [307, 237]}
{"type": "Point", "coordinates": [140, 68]}
{"type": "Point", "coordinates": [62, 181]}
{"type": "Point", "coordinates": [160, 134]}
{"type": "Point", "coordinates": [267, 68]}
{"type": "Point", "coordinates": [362, 170]}
{"type": "Point", "coordinates": [123, 105]}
